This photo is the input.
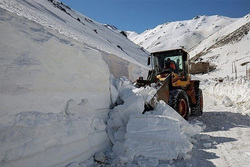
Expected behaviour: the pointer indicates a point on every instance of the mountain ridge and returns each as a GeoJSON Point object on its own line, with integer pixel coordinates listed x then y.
{"type": "Point", "coordinates": [215, 39]}
{"type": "Point", "coordinates": [178, 32]}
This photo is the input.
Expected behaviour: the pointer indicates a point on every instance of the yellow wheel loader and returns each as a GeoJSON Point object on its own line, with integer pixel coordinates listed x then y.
{"type": "Point", "coordinates": [171, 78]}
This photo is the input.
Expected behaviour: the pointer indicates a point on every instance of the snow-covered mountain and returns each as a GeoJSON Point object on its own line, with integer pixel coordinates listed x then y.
{"type": "Point", "coordinates": [216, 39]}
{"type": "Point", "coordinates": [178, 34]}
{"type": "Point", "coordinates": [227, 48]}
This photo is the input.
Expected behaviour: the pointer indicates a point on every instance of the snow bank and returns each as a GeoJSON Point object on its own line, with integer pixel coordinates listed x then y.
{"type": "Point", "coordinates": [161, 134]}
{"type": "Point", "coordinates": [54, 83]}
{"type": "Point", "coordinates": [49, 89]}
{"type": "Point", "coordinates": [233, 92]}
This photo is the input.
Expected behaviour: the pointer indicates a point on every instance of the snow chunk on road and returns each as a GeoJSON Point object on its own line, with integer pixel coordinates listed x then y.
{"type": "Point", "coordinates": [189, 129]}
{"type": "Point", "coordinates": [227, 102]}
{"type": "Point", "coordinates": [161, 134]}
{"type": "Point", "coordinates": [155, 136]}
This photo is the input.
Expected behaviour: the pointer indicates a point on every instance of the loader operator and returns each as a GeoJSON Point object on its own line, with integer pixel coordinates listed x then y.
{"type": "Point", "coordinates": [170, 64]}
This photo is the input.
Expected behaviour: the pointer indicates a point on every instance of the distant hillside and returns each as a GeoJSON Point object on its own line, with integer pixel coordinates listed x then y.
{"type": "Point", "coordinates": [229, 35]}
{"type": "Point", "coordinates": [215, 39]}
{"type": "Point", "coordinates": [186, 34]}
{"type": "Point", "coordinates": [226, 48]}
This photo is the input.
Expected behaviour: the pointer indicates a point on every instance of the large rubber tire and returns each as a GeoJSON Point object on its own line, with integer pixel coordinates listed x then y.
{"type": "Point", "coordinates": [197, 109]}
{"type": "Point", "coordinates": [178, 100]}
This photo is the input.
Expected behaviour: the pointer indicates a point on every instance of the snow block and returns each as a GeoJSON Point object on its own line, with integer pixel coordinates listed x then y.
{"type": "Point", "coordinates": [227, 102]}
{"type": "Point", "coordinates": [155, 136]}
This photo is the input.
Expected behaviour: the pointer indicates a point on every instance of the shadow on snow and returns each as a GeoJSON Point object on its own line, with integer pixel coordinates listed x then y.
{"type": "Point", "coordinates": [214, 121]}
{"type": "Point", "coordinates": [223, 121]}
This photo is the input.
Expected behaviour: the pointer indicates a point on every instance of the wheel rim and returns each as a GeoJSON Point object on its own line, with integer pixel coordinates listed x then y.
{"type": "Point", "coordinates": [183, 108]}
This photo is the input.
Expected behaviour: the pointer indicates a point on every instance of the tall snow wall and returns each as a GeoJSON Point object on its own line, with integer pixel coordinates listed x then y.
{"type": "Point", "coordinates": [54, 96]}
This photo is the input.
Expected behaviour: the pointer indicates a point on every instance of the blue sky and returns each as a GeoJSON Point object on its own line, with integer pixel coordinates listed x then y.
{"type": "Point", "coordinates": [140, 15]}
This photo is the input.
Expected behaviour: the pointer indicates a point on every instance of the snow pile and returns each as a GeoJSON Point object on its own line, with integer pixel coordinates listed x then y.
{"type": "Point", "coordinates": [232, 92]}
{"type": "Point", "coordinates": [120, 114]}
{"type": "Point", "coordinates": [161, 134]}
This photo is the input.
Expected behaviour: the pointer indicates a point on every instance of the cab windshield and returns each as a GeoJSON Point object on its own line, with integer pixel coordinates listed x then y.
{"type": "Point", "coordinates": [162, 62]}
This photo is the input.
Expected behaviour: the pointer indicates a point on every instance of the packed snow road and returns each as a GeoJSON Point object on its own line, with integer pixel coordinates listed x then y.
{"type": "Point", "coordinates": [225, 138]}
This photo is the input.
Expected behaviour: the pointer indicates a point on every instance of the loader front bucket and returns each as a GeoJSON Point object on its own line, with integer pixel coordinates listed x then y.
{"type": "Point", "coordinates": [162, 93]}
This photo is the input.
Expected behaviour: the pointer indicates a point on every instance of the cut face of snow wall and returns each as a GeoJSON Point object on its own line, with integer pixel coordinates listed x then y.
{"type": "Point", "coordinates": [119, 67]}
{"type": "Point", "coordinates": [42, 69]}
{"type": "Point", "coordinates": [53, 94]}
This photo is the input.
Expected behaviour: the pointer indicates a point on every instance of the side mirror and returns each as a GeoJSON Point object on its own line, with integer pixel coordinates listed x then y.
{"type": "Point", "coordinates": [148, 60]}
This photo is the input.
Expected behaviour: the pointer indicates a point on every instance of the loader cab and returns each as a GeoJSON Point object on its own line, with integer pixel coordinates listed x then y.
{"type": "Point", "coordinates": [175, 88]}
{"type": "Point", "coordinates": [160, 62]}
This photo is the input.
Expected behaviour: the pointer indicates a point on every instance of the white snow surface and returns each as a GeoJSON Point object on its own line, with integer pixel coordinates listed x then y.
{"type": "Point", "coordinates": [225, 30]}
{"type": "Point", "coordinates": [55, 81]}
{"type": "Point", "coordinates": [233, 51]}
{"type": "Point", "coordinates": [187, 34]}
{"type": "Point", "coordinates": [86, 31]}
{"type": "Point", "coordinates": [232, 92]}
{"type": "Point", "coordinates": [60, 74]}
{"type": "Point", "coordinates": [221, 40]}
{"type": "Point", "coordinates": [159, 135]}
{"type": "Point", "coordinates": [46, 96]}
